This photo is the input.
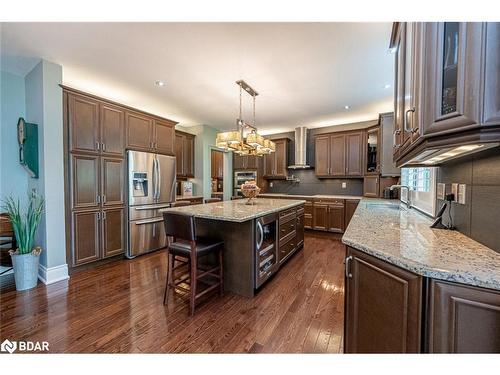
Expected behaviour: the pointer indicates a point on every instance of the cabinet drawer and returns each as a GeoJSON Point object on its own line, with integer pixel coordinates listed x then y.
{"type": "Point", "coordinates": [287, 215]}
{"type": "Point", "coordinates": [300, 211]}
{"type": "Point", "coordinates": [287, 248]}
{"type": "Point", "coordinates": [286, 228]}
{"type": "Point", "coordinates": [339, 202]}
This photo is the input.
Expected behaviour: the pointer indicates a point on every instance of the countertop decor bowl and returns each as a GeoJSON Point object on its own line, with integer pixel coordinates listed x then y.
{"type": "Point", "coordinates": [250, 194]}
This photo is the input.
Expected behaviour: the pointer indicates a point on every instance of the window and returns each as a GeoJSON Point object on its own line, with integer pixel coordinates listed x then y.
{"type": "Point", "coordinates": [422, 184]}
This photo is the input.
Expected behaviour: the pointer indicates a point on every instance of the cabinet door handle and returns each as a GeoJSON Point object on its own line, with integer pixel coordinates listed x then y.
{"type": "Point", "coordinates": [98, 199]}
{"type": "Point", "coordinates": [104, 215]}
{"type": "Point", "coordinates": [97, 146]}
{"type": "Point", "coordinates": [103, 146]}
{"type": "Point", "coordinates": [104, 198]}
{"type": "Point", "coordinates": [98, 216]}
{"type": "Point", "coordinates": [348, 274]}
{"type": "Point", "coordinates": [406, 119]}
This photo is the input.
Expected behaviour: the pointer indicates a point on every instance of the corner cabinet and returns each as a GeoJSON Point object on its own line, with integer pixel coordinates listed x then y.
{"type": "Point", "coordinates": [446, 87]}
{"type": "Point", "coordinates": [391, 310]}
{"type": "Point", "coordinates": [463, 319]}
{"type": "Point", "coordinates": [339, 155]}
{"type": "Point", "coordinates": [275, 164]}
{"type": "Point", "coordinates": [383, 305]}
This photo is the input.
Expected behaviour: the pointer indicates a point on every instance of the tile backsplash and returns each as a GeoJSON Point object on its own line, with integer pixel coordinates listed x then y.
{"type": "Point", "coordinates": [479, 218]}
{"type": "Point", "coordinates": [309, 184]}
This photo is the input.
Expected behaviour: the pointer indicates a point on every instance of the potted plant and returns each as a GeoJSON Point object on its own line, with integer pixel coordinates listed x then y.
{"type": "Point", "coordinates": [26, 258]}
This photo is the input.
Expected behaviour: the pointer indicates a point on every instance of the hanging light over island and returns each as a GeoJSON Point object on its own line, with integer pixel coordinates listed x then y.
{"type": "Point", "coordinates": [235, 140]}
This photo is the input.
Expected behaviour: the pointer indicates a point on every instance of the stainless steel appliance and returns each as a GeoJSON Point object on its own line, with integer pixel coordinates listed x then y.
{"type": "Point", "coordinates": [240, 177]}
{"type": "Point", "coordinates": [266, 248]}
{"type": "Point", "coordinates": [151, 186]}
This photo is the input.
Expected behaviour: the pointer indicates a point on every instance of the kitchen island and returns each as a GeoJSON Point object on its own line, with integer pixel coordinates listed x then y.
{"type": "Point", "coordinates": [258, 238]}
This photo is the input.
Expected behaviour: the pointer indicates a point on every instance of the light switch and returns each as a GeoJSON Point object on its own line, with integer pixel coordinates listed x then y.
{"type": "Point", "coordinates": [440, 191]}
{"type": "Point", "coordinates": [461, 193]}
{"type": "Point", "coordinates": [344, 185]}
{"type": "Point", "coordinates": [454, 191]}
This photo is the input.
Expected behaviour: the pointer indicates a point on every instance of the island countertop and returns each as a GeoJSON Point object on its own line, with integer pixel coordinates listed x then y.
{"type": "Point", "coordinates": [236, 210]}
{"type": "Point", "coordinates": [403, 238]}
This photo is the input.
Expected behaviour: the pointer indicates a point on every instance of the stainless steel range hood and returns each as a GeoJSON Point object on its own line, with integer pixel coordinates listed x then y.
{"type": "Point", "coordinates": [300, 149]}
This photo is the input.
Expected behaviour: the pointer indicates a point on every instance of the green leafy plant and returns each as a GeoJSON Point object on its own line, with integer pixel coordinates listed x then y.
{"type": "Point", "coordinates": [25, 223]}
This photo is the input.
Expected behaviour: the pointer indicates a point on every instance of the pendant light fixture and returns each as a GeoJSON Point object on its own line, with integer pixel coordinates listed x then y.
{"type": "Point", "coordinates": [237, 141]}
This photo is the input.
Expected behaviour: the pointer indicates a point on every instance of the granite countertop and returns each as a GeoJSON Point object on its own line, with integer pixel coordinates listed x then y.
{"type": "Point", "coordinates": [317, 196]}
{"type": "Point", "coordinates": [237, 210]}
{"type": "Point", "coordinates": [403, 238]}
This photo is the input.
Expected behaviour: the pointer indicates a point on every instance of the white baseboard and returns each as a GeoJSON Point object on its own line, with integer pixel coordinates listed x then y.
{"type": "Point", "coordinates": [52, 274]}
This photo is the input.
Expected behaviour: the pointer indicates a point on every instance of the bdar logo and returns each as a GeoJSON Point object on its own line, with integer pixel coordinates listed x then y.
{"type": "Point", "coordinates": [8, 346]}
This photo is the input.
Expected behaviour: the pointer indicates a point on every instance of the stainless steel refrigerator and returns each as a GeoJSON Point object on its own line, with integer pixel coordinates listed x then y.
{"type": "Point", "coordinates": [151, 187]}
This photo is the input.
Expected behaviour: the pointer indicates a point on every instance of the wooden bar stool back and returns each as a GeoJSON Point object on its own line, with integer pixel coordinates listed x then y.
{"type": "Point", "coordinates": [213, 200]}
{"type": "Point", "coordinates": [185, 248]}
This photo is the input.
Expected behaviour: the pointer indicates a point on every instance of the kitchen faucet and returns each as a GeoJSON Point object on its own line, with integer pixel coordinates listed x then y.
{"type": "Point", "coordinates": [408, 196]}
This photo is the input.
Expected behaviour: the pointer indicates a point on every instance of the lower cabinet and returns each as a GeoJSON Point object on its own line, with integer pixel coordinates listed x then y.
{"type": "Point", "coordinates": [308, 215]}
{"type": "Point", "coordinates": [329, 216]}
{"type": "Point", "coordinates": [463, 319]}
{"type": "Point", "coordinates": [391, 310]}
{"type": "Point", "coordinates": [97, 234]}
{"type": "Point", "coordinates": [350, 207]}
{"type": "Point", "coordinates": [383, 305]}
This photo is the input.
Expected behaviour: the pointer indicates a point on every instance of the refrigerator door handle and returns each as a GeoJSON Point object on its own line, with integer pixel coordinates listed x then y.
{"type": "Point", "coordinates": [154, 179]}
{"type": "Point", "coordinates": [158, 179]}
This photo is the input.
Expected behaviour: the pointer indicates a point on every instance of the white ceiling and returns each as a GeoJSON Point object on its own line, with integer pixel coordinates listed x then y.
{"type": "Point", "coordinates": [305, 73]}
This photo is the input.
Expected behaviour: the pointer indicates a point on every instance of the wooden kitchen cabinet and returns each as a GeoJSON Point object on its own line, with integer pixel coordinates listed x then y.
{"type": "Point", "coordinates": [372, 151]}
{"type": "Point", "coordinates": [140, 131]}
{"type": "Point", "coordinates": [275, 164]}
{"type": "Point", "coordinates": [446, 87]}
{"type": "Point", "coordinates": [383, 305]}
{"type": "Point", "coordinates": [350, 207]}
{"type": "Point", "coordinates": [308, 215]}
{"type": "Point", "coordinates": [244, 162]}
{"type": "Point", "coordinates": [217, 164]}
{"type": "Point", "coordinates": [328, 215]}
{"type": "Point", "coordinates": [84, 181]}
{"type": "Point", "coordinates": [164, 136]}
{"type": "Point", "coordinates": [146, 133]}
{"type": "Point", "coordinates": [463, 319]}
{"type": "Point", "coordinates": [83, 124]}
{"type": "Point", "coordinates": [386, 149]}
{"type": "Point", "coordinates": [112, 181]}
{"type": "Point", "coordinates": [371, 185]}
{"type": "Point", "coordinates": [339, 155]}
{"type": "Point", "coordinates": [86, 237]}
{"type": "Point", "coordinates": [113, 232]}
{"type": "Point", "coordinates": [184, 154]}
{"type": "Point", "coordinates": [112, 124]}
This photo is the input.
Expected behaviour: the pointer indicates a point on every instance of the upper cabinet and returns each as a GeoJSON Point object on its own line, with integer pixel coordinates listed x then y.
{"type": "Point", "coordinates": [184, 154]}
{"type": "Point", "coordinates": [446, 87]}
{"type": "Point", "coordinates": [145, 133]}
{"type": "Point", "coordinates": [386, 144]}
{"type": "Point", "coordinates": [372, 151]}
{"type": "Point", "coordinates": [217, 164]}
{"type": "Point", "coordinates": [241, 162]}
{"type": "Point", "coordinates": [339, 154]}
{"type": "Point", "coordinates": [275, 164]}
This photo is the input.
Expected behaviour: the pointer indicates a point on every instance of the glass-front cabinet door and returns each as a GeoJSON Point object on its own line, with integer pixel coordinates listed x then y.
{"type": "Point", "coordinates": [372, 165]}
{"type": "Point", "coordinates": [452, 74]}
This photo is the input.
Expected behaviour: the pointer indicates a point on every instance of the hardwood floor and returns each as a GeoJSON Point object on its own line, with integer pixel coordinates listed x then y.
{"type": "Point", "coordinates": [118, 307]}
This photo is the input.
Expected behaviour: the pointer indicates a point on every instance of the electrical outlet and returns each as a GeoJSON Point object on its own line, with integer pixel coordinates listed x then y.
{"type": "Point", "coordinates": [440, 191]}
{"type": "Point", "coordinates": [461, 193]}
{"type": "Point", "coordinates": [270, 184]}
{"type": "Point", "coordinates": [344, 185]}
{"type": "Point", "coordinates": [454, 191]}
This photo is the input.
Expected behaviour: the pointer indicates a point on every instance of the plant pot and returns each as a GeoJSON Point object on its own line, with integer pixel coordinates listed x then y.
{"type": "Point", "coordinates": [25, 269]}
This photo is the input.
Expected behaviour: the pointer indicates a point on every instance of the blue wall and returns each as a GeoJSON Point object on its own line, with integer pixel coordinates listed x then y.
{"type": "Point", "coordinates": [13, 177]}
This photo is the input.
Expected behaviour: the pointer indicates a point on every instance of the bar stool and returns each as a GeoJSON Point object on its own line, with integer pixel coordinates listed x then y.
{"type": "Point", "coordinates": [180, 229]}
{"type": "Point", "coordinates": [235, 197]}
{"type": "Point", "coordinates": [213, 200]}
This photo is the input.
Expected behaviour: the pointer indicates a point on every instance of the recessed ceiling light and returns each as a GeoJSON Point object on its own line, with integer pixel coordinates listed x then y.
{"type": "Point", "coordinates": [159, 83]}
{"type": "Point", "coordinates": [346, 107]}
{"type": "Point", "coordinates": [387, 86]}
